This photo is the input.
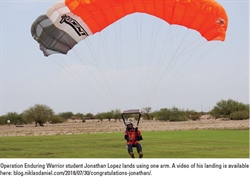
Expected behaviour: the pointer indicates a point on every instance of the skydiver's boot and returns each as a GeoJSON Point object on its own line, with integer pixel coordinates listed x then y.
{"type": "Point", "coordinates": [132, 155]}
{"type": "Point", "coordinates": [140, 155]}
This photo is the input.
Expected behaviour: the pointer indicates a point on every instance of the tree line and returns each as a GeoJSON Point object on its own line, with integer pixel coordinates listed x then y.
{"type": "Point", "coordinates": [41, 114]}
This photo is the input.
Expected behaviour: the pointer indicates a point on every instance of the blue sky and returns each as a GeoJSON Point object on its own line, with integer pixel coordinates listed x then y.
{"type": "Point", "coordinates": [115, 70]}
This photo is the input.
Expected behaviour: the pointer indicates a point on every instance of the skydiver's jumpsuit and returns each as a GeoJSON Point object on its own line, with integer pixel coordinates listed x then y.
{"type": "Point", "coordinates": [133, 136]}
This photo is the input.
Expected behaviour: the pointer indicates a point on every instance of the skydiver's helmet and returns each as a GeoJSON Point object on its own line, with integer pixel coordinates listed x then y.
{"type": "Point", "coordinates": [129, 123]}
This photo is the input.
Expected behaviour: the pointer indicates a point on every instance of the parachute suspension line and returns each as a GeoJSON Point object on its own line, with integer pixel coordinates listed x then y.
{"type": "Point", "coordinates": [64, 67]}
{"type": "Point", "coordinates": [81, 58]}
{"type": "Point", "coordinates": [178, 76]}
{"type": "Point", "coordinates": [177, 54]}
{"type": "Point", "coordinates": [112, 64]}
{"type": "Point", "coordinates": [207, 49]}
{"type": "Point", "coordinates": [157, 58]}
{"type": "Point", "coordinates": [191, 55]}
{"type": "Point", "coordinates": [202, 43]}
{"type": "Point", "coordinates": [160, 60]}
{"type": "Point", "coordinates": [190, 52]}
{"type": "Point", "coordinates": [165, 70]}
{"type": "Point", "coordinates": [93, 75]}
{"type": "Point", "coordinates": [142, 60]}
{"type": "Point", "coordinates": [174, 58]}
{"type": "Point", "coordinates": [145, 48]}
{"type": "Point", "coordinates": [151, 51]}
{"type": "Point", "coordinates": [101, 70]}
{"type": "Point", "coordinates": [119, 63]}
{"type": "Point", "coordinates": [106, 65]}
{"type": "Point", "coordinates": [139, 27]}
{"type": "Point", "coordinates": [150, 58]}
{"type": "Point", "coordinates": [69, 70]}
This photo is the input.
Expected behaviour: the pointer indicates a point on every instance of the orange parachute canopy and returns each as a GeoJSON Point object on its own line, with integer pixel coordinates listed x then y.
{"type": "Point", "coordinates": [81, 18]}
{"type": "Point", "coordinates": [206, 16]}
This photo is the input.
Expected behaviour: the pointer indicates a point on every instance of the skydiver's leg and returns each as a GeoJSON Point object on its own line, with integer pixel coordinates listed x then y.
{"type": "Point", "coordinates": [130, 150]}
{"type": "Point", "coordinates": [139, 150]}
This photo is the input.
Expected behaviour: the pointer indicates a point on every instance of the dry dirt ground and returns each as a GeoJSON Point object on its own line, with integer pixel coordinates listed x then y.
{"type": "Point", "coordinates": [77, 127]}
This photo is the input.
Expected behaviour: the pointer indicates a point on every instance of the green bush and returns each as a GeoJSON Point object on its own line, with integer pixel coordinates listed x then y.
{"type": "Point", "coordinates": [66, 115]}
{"type": "Point", "coordinates": [173, 114]}
{"type": "Point", "coordinates": [239, 115]}
{"type": "Point", "coordinates": [13, 117]}
{"type": "Point", "coordinates": [225, 108]}
{"type": "Point", "coordinates": [56, 119]}
{"type": "Point", "coordinates": [2, 120]}
{"type": "Point", "coordinates": [194, 116]}
{"type": "Point", "coordinates": [163, 114]}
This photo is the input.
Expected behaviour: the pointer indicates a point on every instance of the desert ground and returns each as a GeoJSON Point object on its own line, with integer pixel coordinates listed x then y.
{"type": "Point", "coordinates": [95, 126]}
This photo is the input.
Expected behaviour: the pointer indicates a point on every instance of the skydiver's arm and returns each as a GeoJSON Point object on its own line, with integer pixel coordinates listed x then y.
{"type": "Point", "coordinates": [139, 138]}
{"type": "Point", "coordinates": [126, 137]}
{"type": "Point", "coordinates": [138, 135]}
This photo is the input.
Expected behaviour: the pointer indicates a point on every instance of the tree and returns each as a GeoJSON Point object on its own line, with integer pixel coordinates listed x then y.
{"type": "Point", "coordinates": [39, 113]}
{"type": "Point", "coordinates": [147, 111]}
{"type": "Point", "coordinates": [116, 114]}
{"type": "Point", "coordinates": [100, 116]}
{"type": "Point", "coordinates": [108, 115]}
{"type": "Point", "coordinates": [89, 116]}
{"type": "Point", "coordinates": [162, 114]}
{"type": "Point", "coordinates": [225, 108]}
{"type": "Point", "coordinates": [79, 115]}
{"type": "Point", "coordinates": [66, 115]}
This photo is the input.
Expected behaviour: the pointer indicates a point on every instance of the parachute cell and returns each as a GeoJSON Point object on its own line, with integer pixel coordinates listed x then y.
{"type": "Point", "coordinates": [73, 20]}
{"type": "Point", "coordinates": [51, 39]}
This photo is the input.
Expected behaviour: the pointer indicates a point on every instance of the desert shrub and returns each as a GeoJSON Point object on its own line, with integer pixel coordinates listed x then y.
{"type": "Point", "coordinates": [56, 119]}
{"type": "Point", "coordinates": [13, 117]}
{"type": "Point", "coordinates": [239, 115]}
{"type": "Point", "coordinates": [3, 120]}
{"type": "Point", "coordinates": [177, 115]}
{"type": "Point", "coordinates": [162, 114]}
{"type": "Point", "coordinates": [66, 115]}
{"type": "Point", "coordinates": [225, 108]}
{"type": "Point", "coordinates": [173, 114]}
{"type": "Point", "coordinates": [194, 116]}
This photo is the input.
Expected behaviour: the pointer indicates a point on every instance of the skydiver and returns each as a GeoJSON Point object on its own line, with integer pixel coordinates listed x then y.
{"type": "Point", "coordinates": [133, 136]}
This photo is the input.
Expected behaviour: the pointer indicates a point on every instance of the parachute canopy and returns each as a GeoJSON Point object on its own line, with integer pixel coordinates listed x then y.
{"type": "Point", "coordinates": [67, 23]}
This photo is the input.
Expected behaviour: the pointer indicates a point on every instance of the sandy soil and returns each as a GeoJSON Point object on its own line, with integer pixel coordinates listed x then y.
{"type": "Point", "coordinates": [76, 127]}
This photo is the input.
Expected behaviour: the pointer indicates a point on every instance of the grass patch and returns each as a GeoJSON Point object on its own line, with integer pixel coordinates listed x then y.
{"type": "Point", "coordinates": [162, 144]}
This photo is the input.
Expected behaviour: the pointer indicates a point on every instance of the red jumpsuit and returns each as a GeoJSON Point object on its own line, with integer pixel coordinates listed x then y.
{"type": "Point", "coordinates": [133, 136]}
